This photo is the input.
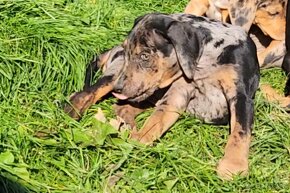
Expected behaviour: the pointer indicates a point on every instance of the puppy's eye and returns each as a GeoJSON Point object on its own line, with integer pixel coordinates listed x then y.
{"type": "Point", "coordinates": [274, 13]}
{"type": "Point", "coordinates": [144, 56]}
{"type": "Point", "coordinates": [264, 5]}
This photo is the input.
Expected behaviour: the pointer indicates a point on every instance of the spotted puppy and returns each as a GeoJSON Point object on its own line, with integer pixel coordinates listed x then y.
{"type": "Point", "coordinates": [210, 69]}
{"type": "Point", "coordinates": [268, 15]}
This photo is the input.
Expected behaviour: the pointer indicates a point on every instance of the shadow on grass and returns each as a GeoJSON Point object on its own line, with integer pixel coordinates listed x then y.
{"type": "Point", "coordinates": [8, 186]}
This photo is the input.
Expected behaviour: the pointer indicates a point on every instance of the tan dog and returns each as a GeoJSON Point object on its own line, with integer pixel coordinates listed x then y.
{"type": "Point", "coordinates": [268, 15]}
{"type": "Point", "coordinates": [268, 91]}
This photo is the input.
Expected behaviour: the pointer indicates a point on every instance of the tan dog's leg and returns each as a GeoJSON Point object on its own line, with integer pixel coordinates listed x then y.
{"type": "Point", "coordinates": [272, 96]}
{"type": "Point", "coordinates": [197, 7]}
{"type": "Point", "coordinates": [158, 123]}
{"type": "Point", "coordinates": [235, 160]}
{"type": "Point", "coordinates": [166, 113]}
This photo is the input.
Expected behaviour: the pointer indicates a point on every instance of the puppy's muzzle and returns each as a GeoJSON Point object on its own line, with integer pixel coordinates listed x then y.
{"type": "Point", "coordinates": [118, 88]}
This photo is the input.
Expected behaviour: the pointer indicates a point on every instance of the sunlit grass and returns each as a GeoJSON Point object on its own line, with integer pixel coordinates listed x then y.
{"type": "Point", "coordinates": [44, 47]}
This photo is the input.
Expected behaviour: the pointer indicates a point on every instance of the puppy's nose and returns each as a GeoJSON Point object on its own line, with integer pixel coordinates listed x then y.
{"type": "Point", "coordinates": [118, 88]}
{"type": "Point", "coordinates": [119, 85]}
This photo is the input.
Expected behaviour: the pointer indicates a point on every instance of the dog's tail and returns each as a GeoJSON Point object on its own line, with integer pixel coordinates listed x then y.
{"type": "Point", "coordinates": [286, 61]}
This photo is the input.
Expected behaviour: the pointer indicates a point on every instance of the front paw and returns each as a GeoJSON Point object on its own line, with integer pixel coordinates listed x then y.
{"type": "Point", "coordinates": [78, 103]}
{"type": "Point", "coordinates": [126, 112]}
{"type": "Point", "coordinates": [228, 167]}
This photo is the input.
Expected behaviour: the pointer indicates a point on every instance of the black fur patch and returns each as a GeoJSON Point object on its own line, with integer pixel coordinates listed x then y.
{"type": "Point", "coordinates": [218, 43]}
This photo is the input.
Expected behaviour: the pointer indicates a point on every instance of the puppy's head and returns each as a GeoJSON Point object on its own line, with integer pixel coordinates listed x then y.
{"type": "Point", "coordinates": [158, 50]}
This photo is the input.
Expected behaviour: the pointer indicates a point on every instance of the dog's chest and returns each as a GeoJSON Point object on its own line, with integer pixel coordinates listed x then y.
{"type": "Point", "coordinates": [208, 103]}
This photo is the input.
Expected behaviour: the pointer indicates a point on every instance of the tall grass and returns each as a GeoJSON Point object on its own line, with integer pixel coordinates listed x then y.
{"type": "Point", "coordinates": [44, 47]}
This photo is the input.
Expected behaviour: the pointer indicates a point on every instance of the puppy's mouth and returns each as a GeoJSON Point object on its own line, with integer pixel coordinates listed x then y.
{"type": "Point", "coordinates": [137, 98]}
{"type": "Point", "coordinates": [120, 96]}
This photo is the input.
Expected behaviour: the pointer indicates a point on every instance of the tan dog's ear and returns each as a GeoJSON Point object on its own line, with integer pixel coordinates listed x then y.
{"type": "Point", "coordinates": [187, 45]}
{"type": "Point", "coordinates": [242, 13]}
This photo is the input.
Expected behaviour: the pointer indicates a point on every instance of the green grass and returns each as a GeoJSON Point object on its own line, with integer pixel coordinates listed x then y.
{"type": "Point", "coordinates": [44, 47]}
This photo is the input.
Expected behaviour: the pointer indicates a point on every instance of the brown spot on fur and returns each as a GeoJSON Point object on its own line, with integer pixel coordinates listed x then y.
{"type": "Point", "coordinates": [227, 77]}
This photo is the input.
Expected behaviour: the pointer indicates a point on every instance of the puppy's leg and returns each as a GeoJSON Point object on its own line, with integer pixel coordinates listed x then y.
{"type": "Point", "coordinates": [273, 55]}
{"type": "Point", "coordinates": [82, 100]}
{"type": "Point", "coordinates": [235, 160]}
{"type": "Point", "coordinates": [197, 7]}
{"type": "Point", "coordinates": [128, 113]}
{"type": "Point", "coordinates": [242, 13]}
{"type": "Point", "coordinates": [241, 106]}
{"type": "Point", "coordinates": [166, 113]}
{"type": "Point", "coordinates": [286, 61]}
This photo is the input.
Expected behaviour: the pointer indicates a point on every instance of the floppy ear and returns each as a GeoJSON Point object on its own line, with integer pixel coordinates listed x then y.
{"type": "Point", "coordinates": [242, 13]}
{"type": "Point", "coordinates": [136, 21]}
{"type": "Point", "coordinates": [187, 43]}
